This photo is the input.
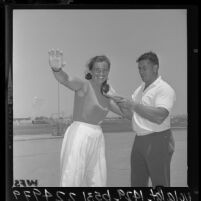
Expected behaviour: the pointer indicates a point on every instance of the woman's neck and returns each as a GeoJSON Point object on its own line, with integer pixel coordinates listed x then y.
{"type": "Point", "coordinates": [95, 84]}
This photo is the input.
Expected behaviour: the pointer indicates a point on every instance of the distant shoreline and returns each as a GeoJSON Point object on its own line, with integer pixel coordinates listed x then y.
{"type": "Point", "coordinates": [130, 130]}
{"type": "Point", "coordinates": [184, 127]}
{"type": "Point", "coordinates": [108, 125]}
{"type": "Point", "coordinates": [53, 131]}
{"type": "Point", "coordinates": [46, 136]}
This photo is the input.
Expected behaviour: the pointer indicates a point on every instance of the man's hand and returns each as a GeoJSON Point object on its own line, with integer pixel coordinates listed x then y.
{"type": "Point", "coordinates": [126, 104]}
{"type": "Point", "coordinates": [125, 107]}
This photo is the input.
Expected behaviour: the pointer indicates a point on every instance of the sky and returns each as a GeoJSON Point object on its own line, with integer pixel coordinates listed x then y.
{"type": "Point", "coordinates": [121, 35]}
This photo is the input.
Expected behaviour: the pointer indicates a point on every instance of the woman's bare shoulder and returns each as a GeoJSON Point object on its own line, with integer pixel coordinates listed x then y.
{"type": "Point", "coordinates": [85, 85]}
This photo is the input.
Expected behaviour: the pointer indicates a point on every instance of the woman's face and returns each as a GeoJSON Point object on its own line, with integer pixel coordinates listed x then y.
{"type": "Point", "coordinates": [100, 71]}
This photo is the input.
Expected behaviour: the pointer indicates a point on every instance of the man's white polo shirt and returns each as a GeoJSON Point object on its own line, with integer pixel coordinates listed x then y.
{"type": "Point", "coordinates": [158, 94]}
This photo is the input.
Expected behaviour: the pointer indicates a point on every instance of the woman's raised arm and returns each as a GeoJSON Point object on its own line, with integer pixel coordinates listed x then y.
{"type": "Point", "coordinates": [56, 63]}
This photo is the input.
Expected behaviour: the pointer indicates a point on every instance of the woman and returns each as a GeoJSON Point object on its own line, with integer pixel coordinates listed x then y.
{"type": "Point", "coordinates": [83, 149]}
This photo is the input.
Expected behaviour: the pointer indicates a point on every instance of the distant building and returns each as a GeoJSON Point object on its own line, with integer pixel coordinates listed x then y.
{"type": "Point", "coordinates": [18, 121]}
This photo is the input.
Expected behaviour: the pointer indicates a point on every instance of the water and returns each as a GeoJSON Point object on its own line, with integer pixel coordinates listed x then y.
{"type": "Point", "coordinates": [118, 148]}
{"type": "Point", "coordinates": [37, 157]}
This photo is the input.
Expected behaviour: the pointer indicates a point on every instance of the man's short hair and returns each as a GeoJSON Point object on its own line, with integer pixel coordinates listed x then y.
{"type": "Point", "coordinates": [151, 56]}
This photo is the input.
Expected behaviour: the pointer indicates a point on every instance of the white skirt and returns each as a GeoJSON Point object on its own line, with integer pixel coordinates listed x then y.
{"type": "Point", "coordinates": [83, 156]}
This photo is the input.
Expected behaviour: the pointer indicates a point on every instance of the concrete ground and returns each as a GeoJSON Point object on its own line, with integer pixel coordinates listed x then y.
{"type": "Point", "coordinates": [36, 157]}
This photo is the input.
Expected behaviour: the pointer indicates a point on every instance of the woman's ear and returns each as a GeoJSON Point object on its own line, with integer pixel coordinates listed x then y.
{"type": "Point", "coordinates": [88, 76]}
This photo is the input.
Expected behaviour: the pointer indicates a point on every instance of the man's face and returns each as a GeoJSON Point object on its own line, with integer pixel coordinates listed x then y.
{"type": "Point", "coordinates": [147, 70]}
{"type": "Point", "coordinates": [100, 71]}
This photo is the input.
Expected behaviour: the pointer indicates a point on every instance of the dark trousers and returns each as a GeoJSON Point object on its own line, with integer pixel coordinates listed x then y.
{"type": "Point", "coordinates": [150, 158]}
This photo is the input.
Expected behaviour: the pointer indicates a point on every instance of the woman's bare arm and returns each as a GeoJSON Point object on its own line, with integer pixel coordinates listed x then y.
{"type": "Point", "coordinates": [115, 108]}
{"type": "Point", "coordinates": [56, 63]}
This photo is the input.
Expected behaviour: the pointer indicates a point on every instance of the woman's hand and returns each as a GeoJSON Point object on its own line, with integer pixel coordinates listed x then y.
{"type": "Point", "coordinates": [117, 99]}
{"type": "Point", "coordinates": [56, 60]}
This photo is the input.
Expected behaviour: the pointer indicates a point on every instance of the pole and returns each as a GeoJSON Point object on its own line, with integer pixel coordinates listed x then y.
{"type": "Point", "coordinates": [58, 109]}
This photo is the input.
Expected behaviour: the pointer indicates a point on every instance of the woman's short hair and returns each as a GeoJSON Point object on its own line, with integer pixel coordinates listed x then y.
{"type": "Point", "coordinates": [92, 61]}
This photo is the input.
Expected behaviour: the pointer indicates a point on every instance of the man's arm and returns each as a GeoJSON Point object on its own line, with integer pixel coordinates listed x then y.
{"type": "Point", "coordinates": [154, 114]}
{"type": "Point", "coordinates": [127, 113]}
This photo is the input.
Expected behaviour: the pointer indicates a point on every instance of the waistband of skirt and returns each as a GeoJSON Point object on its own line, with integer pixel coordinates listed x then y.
{"type": "Point", "coordinates": [95, 126]}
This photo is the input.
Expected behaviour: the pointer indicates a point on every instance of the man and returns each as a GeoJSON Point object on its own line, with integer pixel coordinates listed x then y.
{"type": "Point", "coordinates": [150, 110]}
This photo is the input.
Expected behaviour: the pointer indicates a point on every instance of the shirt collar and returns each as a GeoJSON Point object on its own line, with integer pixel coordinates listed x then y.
{"type": "Point", "coordinates": [157, 81]}
{"type": "Point", "coordinates": [153, 83]}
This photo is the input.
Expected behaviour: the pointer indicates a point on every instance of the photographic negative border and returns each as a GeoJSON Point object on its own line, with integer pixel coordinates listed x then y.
{"type": "Point", "coordinates": [192, 91]}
